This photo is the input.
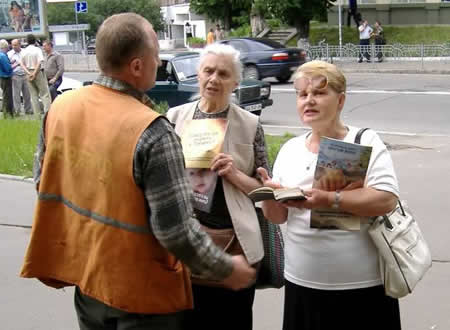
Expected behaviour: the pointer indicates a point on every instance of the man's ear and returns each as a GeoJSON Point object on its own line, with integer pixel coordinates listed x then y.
{"type": "Point", "coordinates": [135, 67]}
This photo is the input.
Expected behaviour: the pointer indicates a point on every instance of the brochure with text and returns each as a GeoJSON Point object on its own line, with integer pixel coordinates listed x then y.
{"type": "Point", "coordinates": [202, 140]}
{"type": "Point", "coordinates": [341, 164]}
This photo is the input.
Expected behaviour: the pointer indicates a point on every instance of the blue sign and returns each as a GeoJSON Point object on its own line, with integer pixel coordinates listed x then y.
{"type": "Point", "coordinates": [81, 7]}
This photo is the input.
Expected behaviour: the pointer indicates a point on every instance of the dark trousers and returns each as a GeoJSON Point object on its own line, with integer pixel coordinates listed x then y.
{"type": "Point", "coordinates": [53, 88]}
{"type": "Point", "coordinates": [364, 45]}
{"type": "Point", "coordinates": [221, 309]}
{"type": "Point", "coordinates": [94, 315]}
{"type": "Point", "coordinates": [356, 309]}
{"type": "Point", "coordinates": [378, 45]}
{"type": "Point", "coordinates": [7, 103]}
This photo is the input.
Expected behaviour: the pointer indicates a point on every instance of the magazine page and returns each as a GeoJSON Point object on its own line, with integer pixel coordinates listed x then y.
{"type": "Point", "coordinates": [345, 163]}
{"type": "Point", "coordinates": [203, 182]}
{"type": "Point", "coordinates": [202, 139]}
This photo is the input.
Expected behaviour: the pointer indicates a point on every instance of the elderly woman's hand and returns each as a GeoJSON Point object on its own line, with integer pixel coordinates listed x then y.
{"type": "Point", "coordinates": [223, 165]}
{"type": "Point", "coordinates": [331, 180]}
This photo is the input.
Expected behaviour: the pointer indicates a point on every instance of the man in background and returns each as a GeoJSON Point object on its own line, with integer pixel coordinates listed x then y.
{"type": "Point", "coordinates": [5, 80]}
{"type": "Point", "coordinates": [114, 215]}
{"type": "Point", "coordinates": [218, 34]}
{"type": "Point", "coordinates": [53, 68]}
{"type": "Point", "coordinates": [32, 63]}
{"type": "Point", "coordinates": [19, 80]}
{"type": "Point", "coordinates": [365, 31]}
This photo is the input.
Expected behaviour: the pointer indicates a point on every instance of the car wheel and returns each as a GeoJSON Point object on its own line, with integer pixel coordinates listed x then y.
{"type": "Point", "coordinates": [251, 72]}
{"type": "Point", "coordinates": [284, 78]}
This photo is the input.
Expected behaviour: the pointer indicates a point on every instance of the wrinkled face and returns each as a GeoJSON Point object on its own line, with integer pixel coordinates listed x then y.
{"type": "Point", "coordinates": [318, 105]}
{"type": "Point", "coordinates": [16, 45]}
{"type": "Point", "coordinates": [217, 78]}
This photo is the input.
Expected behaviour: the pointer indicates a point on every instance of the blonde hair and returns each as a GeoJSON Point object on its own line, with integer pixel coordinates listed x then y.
{"type": "Point", "coordinates": [4, 44]}
{"type": "Point", "coordinates": [336, 79]}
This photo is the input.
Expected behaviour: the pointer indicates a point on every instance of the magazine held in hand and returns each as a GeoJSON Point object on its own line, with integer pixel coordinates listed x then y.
{"type": "Point", "coordinates": [202, 140]}
{"type": "Point", "coordinates": [343, 163]}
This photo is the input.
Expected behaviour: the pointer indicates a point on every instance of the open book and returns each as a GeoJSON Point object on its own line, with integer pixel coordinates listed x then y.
{"type": "Point", "coordinates": [345, 164]}
{"type": "Point", "coordinates": [280, 195]}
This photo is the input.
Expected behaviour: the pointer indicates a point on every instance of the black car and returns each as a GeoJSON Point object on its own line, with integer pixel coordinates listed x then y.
{"type": "Point", "coordinates": [176, 84]}
{"type": "Point", "coordinates": [263, 58]}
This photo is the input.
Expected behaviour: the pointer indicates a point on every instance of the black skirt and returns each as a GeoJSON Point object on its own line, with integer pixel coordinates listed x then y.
{"type": "Point", "coordinates": [356, 309]}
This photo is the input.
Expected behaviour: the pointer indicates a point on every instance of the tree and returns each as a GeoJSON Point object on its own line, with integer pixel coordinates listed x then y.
{"type": "Point", "coordinates": [298, 13]}
{"type": "Point", "coordinates": [257, 13]}
{"type": "Point", "coordinates": [221, 10]}
{"type": "Point", "coordinates": [98, 10]}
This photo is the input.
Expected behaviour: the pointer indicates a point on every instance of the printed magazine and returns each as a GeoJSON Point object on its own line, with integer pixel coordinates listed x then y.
{"type": "Point", "coordinates": [342, 162]}
{"type": "Point", "coordinates": [202, 140]}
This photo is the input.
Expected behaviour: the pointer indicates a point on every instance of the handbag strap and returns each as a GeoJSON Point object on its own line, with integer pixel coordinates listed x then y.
{"type": "Point", "coordinates": [359, 134]}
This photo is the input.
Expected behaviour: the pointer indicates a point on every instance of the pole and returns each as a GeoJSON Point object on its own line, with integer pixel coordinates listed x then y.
{"type": "Point", "coordinates": [340, 27]}
{"type": "Point", "coordinates": [76, 23]}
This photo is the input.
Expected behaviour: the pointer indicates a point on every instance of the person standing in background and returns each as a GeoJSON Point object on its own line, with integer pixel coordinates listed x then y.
{"type": "Point", "coordinates": [365, 30]}
{"type": "Point", "coordinates": [379, 40]}
{"type": "Point", "coordinates": [218, 34]}
{"type": "Point", "coordinates": [19, 80]}
{"type": "Point", "coordinates": [210, 37]}
{"type": "Point", "coordinates": [53, 68]}
{"type": "Point", "coordinates": [32, 59]}
{"type": "Point", "coordinates": [5, 79]}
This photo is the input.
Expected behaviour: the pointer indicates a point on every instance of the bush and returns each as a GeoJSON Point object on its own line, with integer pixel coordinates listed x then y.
{"type": "Point", "coordinates": [242, 31]}
{"type": "Point", "coordinates": [195, 41]}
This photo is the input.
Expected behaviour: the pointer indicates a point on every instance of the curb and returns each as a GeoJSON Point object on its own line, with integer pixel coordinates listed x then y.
{"type": "Point", "coordinates": [16, 178]}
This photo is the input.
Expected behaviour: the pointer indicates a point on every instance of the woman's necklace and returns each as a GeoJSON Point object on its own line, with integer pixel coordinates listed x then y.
{"type": "Point", "coordinates": [313, 156]}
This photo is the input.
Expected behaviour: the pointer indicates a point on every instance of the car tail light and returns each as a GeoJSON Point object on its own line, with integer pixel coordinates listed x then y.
{"type": "Point", "coordinates": [302, 54]}
{"type": "Point", "coordinates": [280, 56]}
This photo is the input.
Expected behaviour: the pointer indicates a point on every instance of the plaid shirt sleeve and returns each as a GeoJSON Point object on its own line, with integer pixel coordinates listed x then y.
{"type": "Point", "coordinates": [159, 171]}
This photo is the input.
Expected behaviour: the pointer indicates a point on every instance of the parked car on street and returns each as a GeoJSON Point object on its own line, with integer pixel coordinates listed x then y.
{"type": "Point", "coordinates": [176, 83]}
{"type": "Point", "coordinates": [263, 58]}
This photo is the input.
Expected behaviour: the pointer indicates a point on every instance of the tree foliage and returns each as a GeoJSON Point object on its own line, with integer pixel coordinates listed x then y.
{"type": "Point", "coordinates": [222, 10]}
{"type": "Point", "coordinates": [98, 10]}
{"type": "Point", "coordinates": [298, 13]}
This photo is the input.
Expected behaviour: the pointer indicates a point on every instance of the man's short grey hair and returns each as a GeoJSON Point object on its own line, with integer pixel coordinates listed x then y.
{"type": "Point", "coordinates": [4, 44]}
{"type": "Point", "coordinates": [224, 50]}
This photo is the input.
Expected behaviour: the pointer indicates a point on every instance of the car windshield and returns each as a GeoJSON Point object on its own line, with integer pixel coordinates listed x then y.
{"type": "Point", "coordinates": [186, 68]}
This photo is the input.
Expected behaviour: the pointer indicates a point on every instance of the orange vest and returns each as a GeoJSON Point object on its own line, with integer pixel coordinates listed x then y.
{"type": "Point", "coordinates": [90, 224]}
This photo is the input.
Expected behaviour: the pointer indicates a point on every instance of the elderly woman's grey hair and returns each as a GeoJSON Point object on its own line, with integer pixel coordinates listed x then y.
{"type": "Point", "coordinates": [224, 50]}
{"type": "Point", "coordinates": [4, 44]}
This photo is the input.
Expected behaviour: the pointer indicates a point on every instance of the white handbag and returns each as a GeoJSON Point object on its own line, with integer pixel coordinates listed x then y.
{"type": "Point", "coordinates": [404, 254]}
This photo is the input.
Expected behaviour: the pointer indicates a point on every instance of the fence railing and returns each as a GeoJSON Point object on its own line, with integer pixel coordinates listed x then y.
{"type": "Point", "coordinates": [395, 51]}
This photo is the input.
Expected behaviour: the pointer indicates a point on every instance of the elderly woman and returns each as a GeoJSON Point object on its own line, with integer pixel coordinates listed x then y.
{"type": "Point", "coordinates": [243, 152]}
{"type": "Point", "coordinates": [332, 276]}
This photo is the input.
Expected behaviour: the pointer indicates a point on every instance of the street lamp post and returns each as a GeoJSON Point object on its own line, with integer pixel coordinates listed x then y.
{"type": "Point", "coordinates": [340, 27]}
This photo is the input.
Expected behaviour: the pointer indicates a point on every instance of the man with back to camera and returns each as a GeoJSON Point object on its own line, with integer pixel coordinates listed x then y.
{"type": "Point", "coordinates": [32, 61]}
{"type": "Point", "coordinates": [53, 68]}
{"type": "Point", "coordinates": [114, 210]}
{"type": "Point", "coordinates": [19, 80]}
